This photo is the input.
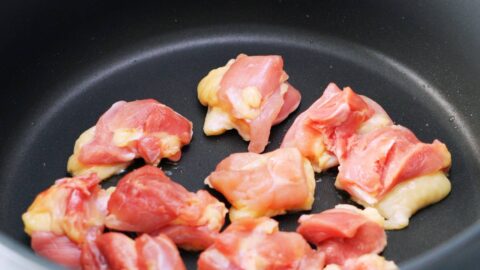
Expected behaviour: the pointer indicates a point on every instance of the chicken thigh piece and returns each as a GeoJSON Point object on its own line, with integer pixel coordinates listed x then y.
{"type": "Point", "coordinates": [147, 201]}
{"type": "Point", "coordinates": [249, 94]}
{"type": "Point", "coordinates": [265, 184]}
{"type": "Point", "coordinates": [321, 133]}
{"type": "Point", "coordinates": [143, 129]}
{"type": "Point", "coordinates": [391, 170]}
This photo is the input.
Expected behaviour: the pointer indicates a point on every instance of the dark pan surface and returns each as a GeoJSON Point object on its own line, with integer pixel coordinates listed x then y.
{"type": "Point", "coordinates": [168, 68]}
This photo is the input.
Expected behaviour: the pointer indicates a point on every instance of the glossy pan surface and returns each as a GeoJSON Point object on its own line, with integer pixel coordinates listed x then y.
{"type": "Point", "coordinates": [64, 65]}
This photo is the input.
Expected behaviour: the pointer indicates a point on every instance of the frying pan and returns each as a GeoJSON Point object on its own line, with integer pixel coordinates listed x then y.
{"type": "Point", "coordinates": [64, 64]}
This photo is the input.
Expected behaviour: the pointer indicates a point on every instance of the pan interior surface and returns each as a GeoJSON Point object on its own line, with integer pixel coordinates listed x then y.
{"type": "Point", "coordinates": [169, 70]}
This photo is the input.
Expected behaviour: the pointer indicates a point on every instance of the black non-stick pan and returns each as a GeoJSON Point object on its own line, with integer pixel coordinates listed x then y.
{"type": "Point", "coordinates": [63, 64]}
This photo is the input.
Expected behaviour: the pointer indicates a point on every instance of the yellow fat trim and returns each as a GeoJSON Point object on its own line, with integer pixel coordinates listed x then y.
{"type": "Point", "coordinates": [170, 144]}
{"type": "Point", "coordinates": [373, 123]}
{"type": "Point", "coordinates": [322, 159]}
{"type": "Point", "coordinates": [124, 136]}
{"type": "Point", "coordinates": [44, 214]}
{"type": "Point", "coordinates": [252, 97]}
{"type": "Point", "coordinates": [76, 168]}
{"type": "Point", "coordinates": [377, 262]}
{"type": "Point", "coordinates": [36, 222]}
{"type": "Point", "coordinates": [368, 212]}
{"type": "Point", "coordinates": [217, 122]}
{"type": "Point", "coordinates": [239, 213]}
{"type": "Point", "coordinates": [410, 196]}
{"type": "Point", "coordinates": [310, 175]}
{"type": "Point", "coordinates": [213, 217]}
{"type": "Point", "coordinates": [373, 261]}
{"type": "Point", "coordinates": [249, 95]}
{"type": "Point", "coordinates": [406, 198]}
{"type": "Point", "coordinates": [208, 87]}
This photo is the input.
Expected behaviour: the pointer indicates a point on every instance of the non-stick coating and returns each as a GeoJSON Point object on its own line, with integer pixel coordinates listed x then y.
{"type": "Point", "coordinates": [62, 89]}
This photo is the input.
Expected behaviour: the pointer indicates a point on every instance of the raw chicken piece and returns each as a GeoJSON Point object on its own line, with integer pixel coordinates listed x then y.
{"type": "Point", "coordinates": [249, 94]}
{"type": "Point", "coordinates": [258, 244]}
{"type": "Point", "coordinates": [344, 232]}
{"type": "Point", "coordinates": [146, 200]}
{"type": "Point", "coordinates": [138, 129]}
{"type": "Point", "coordinates": [117, 251]}
{"type": "Point", "coordinates": [60, 217]}
{"type": "Point", "coordinates": [391, 170]}
{"type": "Point", "coordinates": [321, 133]}
{"type": "Point", "coordinates": [265, 184]}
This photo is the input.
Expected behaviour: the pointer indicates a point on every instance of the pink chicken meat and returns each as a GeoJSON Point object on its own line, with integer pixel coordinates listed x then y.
{"type": "Point", "coordinates": [344, 233]}
{"type": "Point", "coordinates": [265, 184]}
{"type": "Point", "coordinates": [143, 129]}
{"type": "Point", "coordinates": [116, 251]}
{"type": "Point", "coordinates": [322, 132]}
{"type": "Point", "coordinates": [249, 94]}
{"type": "Point", "coordinates": [147, 201]}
